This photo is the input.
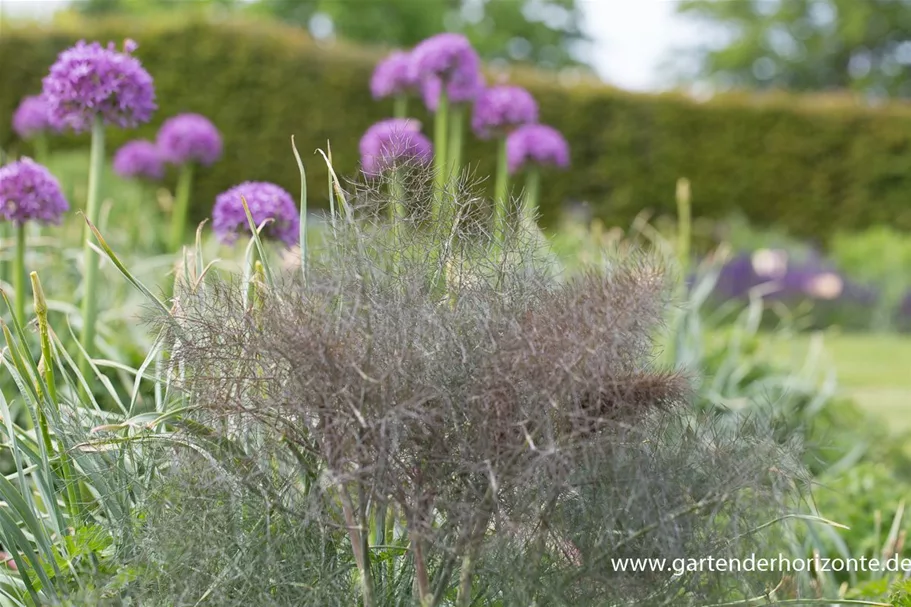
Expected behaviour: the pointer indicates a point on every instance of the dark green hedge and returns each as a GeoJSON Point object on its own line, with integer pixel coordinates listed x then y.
{"type": "Point", "coordinates": [809, 164]}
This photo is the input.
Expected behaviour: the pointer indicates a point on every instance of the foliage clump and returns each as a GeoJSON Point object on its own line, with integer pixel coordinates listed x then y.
{"type": "Point", "coordinates": [427, 414]}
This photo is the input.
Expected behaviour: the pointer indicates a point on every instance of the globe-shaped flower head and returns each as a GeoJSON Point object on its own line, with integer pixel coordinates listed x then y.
{"type": "Point", "coordinates": [139, 158]}
{"type": "Point", "coordinates": [31, 117]}
{"type": "Point", "coordinates": [393, 76]}
{"type": "Point", "coordinates": [28, 192]}
{"type": "Point", "coordinates": [89, 81]}
{"type": "Point", "coordinates": [500, 109]}
{"type": "Point", "coordinates": [447, 60]}
{"type": "Point", "coordinates": [189, 138]}
{"type": "Point", "coordinates": [266, 201]}
{"type": "Point", "coordinates": [391, 142]}
{"type": "Point", "coordinates": [464, 87]}
{"type": "Point", "coordinates": [536, 144]}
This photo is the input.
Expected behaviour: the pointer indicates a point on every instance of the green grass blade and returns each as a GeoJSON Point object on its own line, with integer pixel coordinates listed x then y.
{"type": "Point", "coordinates": [101, 377]}
{"type": "Point", "coordinates": [261, 250]}
{"type": "Point", "coordinates": [109, 253]}
{"type": "Point", "coordinates": [336, 185]}
{"type": "Point", "coordinates": [303, 210]}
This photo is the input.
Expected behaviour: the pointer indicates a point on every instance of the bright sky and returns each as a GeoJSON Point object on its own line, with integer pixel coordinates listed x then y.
{"type": "Point", "coordinates": [632, 37]}
{"type": "Point", "coordinates": [635, 38]}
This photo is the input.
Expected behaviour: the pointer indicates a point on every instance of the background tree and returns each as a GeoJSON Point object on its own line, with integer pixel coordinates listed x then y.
{"type": "Point", "coordinates": [547, 33]}
{"type": "Point", "coordinates": [101, 7]}
{"type": "Point", "coordinates": [544, 32]}
{"type": "Point", "coordinates": [807, 45]}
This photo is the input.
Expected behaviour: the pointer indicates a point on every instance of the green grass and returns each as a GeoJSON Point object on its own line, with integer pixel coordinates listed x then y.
{"type": "Point", "coordinates": [874, 369]}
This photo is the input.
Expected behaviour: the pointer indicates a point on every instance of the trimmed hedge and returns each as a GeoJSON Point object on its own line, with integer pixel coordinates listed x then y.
{"type": "Point", "coordinates": [810, 164]}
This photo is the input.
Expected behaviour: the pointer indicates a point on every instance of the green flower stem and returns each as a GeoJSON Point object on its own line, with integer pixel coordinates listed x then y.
{"type": "Point", "coordinates": [90, 261]}
{"type": "Point", "coordinates": [181, 206]}
{"type": "Point", "coordinates": [396, 196]}
{"type": "Point", "coordinates": [532, 194]}
{"type": "Point", "coordinates": [684, 242]}
{"type": "Point", "coordinates": [41, 148]}
{"type": "Point", "coordinates": [5, 237]}
{"type": "Point", "coordinates": [19, 272]}
{"type": "Point", "coordinates": [501, 190]}
{"type": "Point", "coordinates": [400, 106]}
{"type": "Point", "coordinates": [396, 210]}
{"type": "Point", "coordinates": [440, 132]}
{"type": "Point", "coordinates": [684, 222]}
{"type": "Point", "coordinates": [456, 130]}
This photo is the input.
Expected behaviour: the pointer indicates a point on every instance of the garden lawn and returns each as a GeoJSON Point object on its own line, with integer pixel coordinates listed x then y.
{"type": "Point", "coordinates": [874, 369]}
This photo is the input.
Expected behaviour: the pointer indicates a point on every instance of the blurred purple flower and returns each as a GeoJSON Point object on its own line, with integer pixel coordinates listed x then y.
{"type": "Point", "coordinates": [537, 144]}
{"type": "Point", "coordinates": [786, 279]}
{"type": "Point", "coordinates": [464, 87]}
{"type": "Point", "coordinates": [446, 60]}
{"type": "Point", "coordinates": [442, 56]}
{"type": "Point", "coordinates": [390, 141]}
{"type": "Point", "coordinates": [28, 192]}
{"type": "Point", "coordinates": [31, 117]}
{"type": "Point", "coordinates": [393, 76]}
{"type": "Point", "coordinates": [189, 138]}
{"type": "Point", "coordinates": [266, 201]}
{"type": "Point", "coordinates": [89, 80]}
{"type": "Point", "coordinates": [500, 109]}
{"type": "Point", "coordinates": [139, 158]}
{"type": "Point", "coordinates": [736, 278]}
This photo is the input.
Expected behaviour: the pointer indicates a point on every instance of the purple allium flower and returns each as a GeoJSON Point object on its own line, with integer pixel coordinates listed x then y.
{"type": "Point", "coordinates": [500, 109]}
{"type": "Point", "coordinates": [537, 144]}
{"type": "Point", "coordinates": [266, 201]}
{"type": "Point", "coordinates": [189, 138]}
{"type": "Point", "coordinates": [737, 277]}
{"type": "Point", "coordinates": [89, 80]}
{"type": "Point", "coordinates": [139, 158]}
{"type": "Point", "coordinates": [446, 60]}
{"type": "Point", "coordinates": [464, 87]}
{"type": "Point", "coordinates": [28, 192]}
{"type": "Point", "coordinates": [784, 278]}
{"type": "Point", "coordinates": [31, 117]}
{"type": "Point", "coordinates": [442, 56]}
{"type": "Point", "coordinates": [389, 141]}
{"type": "Point", "coordinates": [393, 76]}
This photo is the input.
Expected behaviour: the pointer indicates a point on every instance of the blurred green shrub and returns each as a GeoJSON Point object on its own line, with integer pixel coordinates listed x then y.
{"type": "Point", "coordinates": [811, 164]}
{"type": "Point", "coordinates": [881, 256]}
{"type": "Point", "coordinates": [901, 594]}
